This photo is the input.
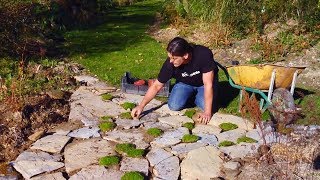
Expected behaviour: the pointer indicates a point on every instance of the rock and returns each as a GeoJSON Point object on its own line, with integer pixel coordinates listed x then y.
{"type": "Point", "coordinates": [36, 135]}
{"type": "Point", "coordinates": [156, 155]}
{"type": "Point", "coordinates": [97, 173]}
{"type": "Point", "coordinates": [232, 165]}
{"type": "Point", "coordinates": [150, 117]}
{"type": "Point", "coordinates": [121, 98]}
{"type": "Point", "coordinates": [135, 164]}
{"type": "Point", "coordinates": [184, 148]}
{"type": "Point", "coordinates": [56, 94]}
{"type": "Point", "coordinates": [65, 128]}
{"type": "Point", "coordinates": [83, 153]}
{"type": "Point", "coordinates": [88, 80]}
{"type": "Point", "coordinates": [29, 164]}
{"type": "Point", "coordinates": [170, 138]}
{"type": "Point", "coordinates": [241, 150]}
{"type": "Point", "coordinates": [134, 136]}
{"type": "Point", "coordinates": [219, 118]}
{"type": "Point", "coordinates": [162, 126]}
{"type": "Point", "coordinates": [168, 169]}
{"type": "Point", "coordinates": [202, 163]}
{"type": "Point", "coordinates": [52, 143]}
{"type": "Point", "coordinates": [127, 123]}
{"type": "Point", "coordinates": [85, 133]}
{"type": "Point", "coordinates": [209, 139]}
{"type": "Point", "coordinates": [100, 88]}
{"type": "Point", "coordinates": [164, 110]}
{"type": "Point", "coordinates": [205, 129]}
{"type": "Point", "coordinates": [54, 176]}
{"type": "Point", "coordinates": [231, 135]}
{"type": "Point", "coordinates": [175, 121]}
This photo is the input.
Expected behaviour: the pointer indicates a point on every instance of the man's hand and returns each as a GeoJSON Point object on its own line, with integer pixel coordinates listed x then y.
{"type": "Point", "coordinates": [135, 113]}
{"type": "Point", "coordinates": [204, 118]}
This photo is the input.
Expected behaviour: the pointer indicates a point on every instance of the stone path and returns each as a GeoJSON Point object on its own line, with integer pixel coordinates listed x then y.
{"type": "Point", "coordinates": [69, 152]}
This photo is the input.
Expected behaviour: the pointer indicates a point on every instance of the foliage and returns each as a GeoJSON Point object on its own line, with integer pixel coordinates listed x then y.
{"type": "Point", "coordinates": [133, 175]}
{"type": "Point", "coordinates": [109, 160]}
{"type": "Point", "coordinates": [135, 153]}
{"type": "Point", "coordinates": [228, 126]}
{"type": "Point", "coordinates": [125, 115]}
{"type": "Point", "coordinates": [190, 112]}
{"type": "Point", "coordinates": [155, 132]}
{"type": "Point", "coordinates": [106, 118]}
{"type": "Point", "coordinates": [107, 126]}
{"type": "Point", "coordinates": [130, 150]}
{"type": "Point", "coordinates": [226, 143]}
{"type": "Point", "coordinates": [189, 125]}
{"type": "Point", "coordinates": [189, 138]}
{"type": "Point", "coordinates": [310, 109]}
{"type": "Point", "coordinates": [107, 97]}
{"type": "Point", "coordinates": [246, 140]}
{"type": "Point", "coordinates": [128, 105]}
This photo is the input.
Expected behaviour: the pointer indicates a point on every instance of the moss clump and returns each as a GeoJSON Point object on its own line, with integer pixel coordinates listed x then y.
{"type": "Point", "coordinates": [135, 153]}
{"type": "Point", "coordinates": [226, 143]}
{"type": "Point", "coordinates": [128, 105]}
{"type": "Point", "coordinates": [246, 140]}
{"type": "Point", "coordinates": [106, 118]}
{"type": "Point", "coordinates": [109, 160]}
{"type": "Point", "coordinates": [106, 97]}
{"type": "Point", "coordinates": [107, 126]}
{"type": "Point", "coordinates": [124, 147]}
{"type": "Point", "coordinates": [125, 115]}
{"type": "Point", "coordinates": [189, 138]}
{"type": "Point", "coordinates": [133, 175]}
{"type": "Point", "coordinates": [190, 112]}
{"type": "Point", "coordinates": [155, 132]}
{"type": "Point", "coordinates": [189, 125]}
{"type": "Point", "coordinates": [228, 126]}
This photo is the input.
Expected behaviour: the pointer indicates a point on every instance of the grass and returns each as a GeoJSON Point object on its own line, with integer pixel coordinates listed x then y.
{"type": "Point", "coordinates": [130, 150]}
{"type": "Point", "coordinates": [128, 105]}
{"type": "Point", "coordinates": [190, 112]}
{"type": "Point", "coordinates": [155, 132]}
{"type": "Point", "coordinates": [226, 143]}
{"type": "Point", "coordinates": [106, 97]}
{"type": "Point", "coordinates": [125, 115]}
{"type": "Point", "coordinates": [107, 126]}
{"type": "Point", "coordinates": [106, 118]}
{"type": "Point", "coordinates": [189, 138]}
{"type": "Point", "coordinates": [109, 160]}
{"type": "Point", "coordinates": [189, 125]}
{"type": "Point", "coordinates": [246, 140]}
{"type": "Point", "coordinates": [228, 126]}
{"type": "Point", "coordinates": [133, 175]}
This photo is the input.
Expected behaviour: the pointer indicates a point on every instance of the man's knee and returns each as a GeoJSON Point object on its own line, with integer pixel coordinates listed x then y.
{"type": "Point", "coordinates": [174, 106]}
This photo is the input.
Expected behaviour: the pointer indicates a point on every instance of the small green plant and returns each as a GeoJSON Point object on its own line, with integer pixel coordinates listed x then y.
{"type": "Point", "coordinates": [190, 112]}
{"type": "Point", "coordinates": [226, 143]}
{"type": "Point", "coordinates": [124, 147]}
{"type": "Point", "coordinates": [228, 126]}
{"type": "Point", "coordinates": [125, 115]}
{"type": "Point", "coordinates": [189, 138]}
{"type": "Point", "coordinates": [246, 140]}
{"type": "Point", "coordinates": [155, 132]}
{"type": "Point", "coordinates": [107, 126]}
{"type": "Point", "coordinates": [189, 125]}
{"type": "Point", "coordinates": [255, 61]}
{"type": "Point", "coordinates": [106, 118]}
{"type": "Point", "coordinates": [135, 153]}
{"type": "Point", "coordinates": [128, 105]}
{"type": "Point", "coordinates": [109, 160]}
{"type": "Point", "coordinates": [106, 97]}
{"type": "Point", "coordinates": [133, 175]}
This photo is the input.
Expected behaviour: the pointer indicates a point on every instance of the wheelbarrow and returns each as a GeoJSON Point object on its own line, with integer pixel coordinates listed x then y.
{"type": "Point", "coordinates": [264, 78]}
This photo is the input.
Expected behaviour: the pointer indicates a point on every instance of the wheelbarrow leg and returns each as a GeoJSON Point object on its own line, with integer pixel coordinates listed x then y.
{"type": "Point", "coordinates": [293, 84]}
{"type": "Point", "coordinates": [273, 77]}
{"type": "Point", "coordinates": [240, 100]}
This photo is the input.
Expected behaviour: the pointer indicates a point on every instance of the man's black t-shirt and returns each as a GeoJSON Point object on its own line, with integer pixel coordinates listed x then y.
{"type": "Point", "coordinates": [190, 73]}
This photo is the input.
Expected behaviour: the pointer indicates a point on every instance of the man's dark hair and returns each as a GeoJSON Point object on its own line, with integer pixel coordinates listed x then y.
{"type": "Point", "coordinates": [179, 47]}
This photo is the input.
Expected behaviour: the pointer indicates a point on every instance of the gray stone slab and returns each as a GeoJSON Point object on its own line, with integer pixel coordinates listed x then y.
{"type": "Point", "coordinates": [156, 155]}
{"type": "Point", "coordinates": [85, 133]}
{"type": "Point", "coordinates": [29, 164]}
{"type": "Point", "coordinates": [164, 110]}
{"type": "Point", "coordinates": [149, 117]}
{"type": "Point", "coordinates": [97, 173]}
{"type": "Point", "coordinates": [127, 123]}
{"type": "Point", "coordinates": [80, 154]}
{"type": "Point", "coordinates": [219, 118]}
{"type": "Point", "coordinates": [134, 136]}
{"type": "Point", "coordinates": [168, 169]}
{"type": "Point", "coordinates": [170, 138]}
{"type": "Point", "coordinates": [54, 176]}
{"type": "Point", "coordinates": [232, 135]}
{"type": "Point", "coordinates": [184, 148]}
{"type": "Point", "coordinates": [134, 98]}
{"type": "Point", "coordinates": [89, 80]}
{"type": "Point", "coordinates": [52, 143]}
{"type": "Point", "coordinates": [175, 121]}
{"type": "Point", "coordinates": [135, 164]}
{"type": "Point", "coordinates": [209, 139]}
{"type": "Point", "coordinates": [205, 129]}
{"type": "Point", "coordinates": [162, 126]}
{"type": "Point", "coordinates": [241, 150]}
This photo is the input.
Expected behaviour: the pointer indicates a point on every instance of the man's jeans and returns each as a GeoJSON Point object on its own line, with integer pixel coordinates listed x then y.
{"type": "Point", "coordinates": [182, 94]}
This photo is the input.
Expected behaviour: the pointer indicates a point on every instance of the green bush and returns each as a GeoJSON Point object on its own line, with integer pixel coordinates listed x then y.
{"type": "Point", "coordinates": [190, 112]}
{"type": "Point", "coordinates": [226, 143]}
{"type": "Point", "coordinates": [246, 140]}
{"type": "Point", "coordinates": [155, 132]}
{"type": "Point", "coordinates": [107, 126]}
{"type": "Point", "coordinates": [109, 160]}
{"type": "Point", "coordinates": [189, 138]}
{"type": "Point", "coordinates": [133, 175]}
{"type": "Point", "coordinates": [228, 126]}
{"type": "Point", "coordinates": [189, 125]}
{"type": "Point", "coordinates": [126, 115]}
{"type": "Point", "coordinates": [107, 97]}
{"type": "Point", "coordinates": [135, 153]}
{"type": "Point", "coordinates": [128, 105]}
{"type": "Point", "coordinates": [106, 118]}
{"type": "Point", "coordinates": [124, 147]}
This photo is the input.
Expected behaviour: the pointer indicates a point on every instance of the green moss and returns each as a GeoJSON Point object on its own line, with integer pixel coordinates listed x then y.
{"type": "Point", "coordinates": [126, 115]}
{"type": "Point", "coordinates": [124, 147]}
{"type": "Point", "coordinates": [106, 118]}
{"type": "Point", "coordinates": [109, 160]}
{"type": "Point", "coordinates": [155, 132]}
{"type": "Point", "coordinates": [128, 105]}
{"type": "Point", "coordinates": [226, 143]}
{"type": "Point", "coordinates": [190, 112]}
{"type": "Point", "coordinates": [107, 126]}
{"type": "Point", "coordinates": [106, 97]}
{"type": "Point", "coordinates": [133, 175]}
{"type": "Point", "coordinates": [246, 140]}
{"type": "Point", "coordinates": [228, 126]}
{"type": "Point", "coordinates": [189, 125]}
{"type": "Point", "coordinates": [189, 138]}
{"type": "Point", "coordinates": [135, 153]}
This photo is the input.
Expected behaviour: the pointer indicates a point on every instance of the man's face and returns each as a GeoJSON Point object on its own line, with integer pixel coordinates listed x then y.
{"type": "Point", "coordinates": [177, 60]}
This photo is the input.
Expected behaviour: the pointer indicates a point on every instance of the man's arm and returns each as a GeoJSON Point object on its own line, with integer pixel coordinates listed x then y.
{"type": "Point", "coordinates": [208, 96]}
{"type": "Point", "coordinates": [151, 93]}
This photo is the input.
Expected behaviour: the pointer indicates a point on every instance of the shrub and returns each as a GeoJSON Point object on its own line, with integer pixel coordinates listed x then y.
{"type": "Point", "coordinates": [228, 126]}
{"type": "Point", "coordinates": [107, 126]}
{"type": "Point", "coordinates": [190, 112]}
{"type": "Point", "coordinates": [106, 97]}
{"type": "Point", "coordinates": [126, 115]}
{"type": "Point", "coordinates": [189, 138]}
{"type": "Point", "coordinates": [109, 160]}
{"type": "Point", "coordinates": [189, 125]}
{"type": "Point", "coordinates": [246, 140]}
{"type": "Point", "coordinates": [135, 153]}
{"type": "Point", "coordinates": [155, 132]}
{"type": "Point", "coordinates": [106, 118]}
{"type": "Point", "coordinates": [133, 175]}
{"type": "Point", "coordinates": [128, 105]}
{"type": "Point", "coordinates": [226, 143]}
{"type": "Point", "coordinates": [124, 147]}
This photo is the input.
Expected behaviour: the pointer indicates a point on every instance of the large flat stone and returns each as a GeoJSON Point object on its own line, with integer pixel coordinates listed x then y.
{"type": "Point", "coordinates": [54, 176]}
{"type": "Point", "coordinates": [85, 133]}
{"type": "Point", "coordinates": [156, 155]}
{"type": "Point", "coordinates": [29, 164]}
{"type": "Point", "coordinates": [184, 148]}
{"type": "Point", "coordinates": [89, 80]}
{"type": "Point", "coordinates": [219, 118]}
{"type": "Point", "coordinates": [135, 164]}
{"type": "Point", "coordinates": [121, 98]}
{"type": "Point", "coordinates": [164, 110]}
{"type": "Point", "coordinates": [175, 121]}
{"type": "Point", "coordinates": [170, 138]}
{"type": "Point", "coordinates": [80, 154]}
{"type": "Point", "coordinates": [231, 135]}
{"type": "Point", "coordinates": [127, 123]}
{"type": "Point", "coordinates": [52, 143]}
{"type": "Point", "coordinates": [168, 169]}
{"type": "Point", "coordinates": [240, 150]}
{"type": "Point", "coordinates": [149, 116]}
{"type": "Point", "coordinates": [97, 173]}
{"type": "Point", "coordinates": [162, 126]}
{"type": "Point", "coordinates": [203, 163]}
{"type": "Point", "coordinates": [209, 139]}
{"type": "Point", "coordinates": [134, 136]}
{"type": "Point", "coordinates": [205, 129]}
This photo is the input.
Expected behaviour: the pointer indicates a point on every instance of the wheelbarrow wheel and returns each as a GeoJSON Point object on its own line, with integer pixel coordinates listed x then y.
{"type": "Point", "coordinates": [283, 109]}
